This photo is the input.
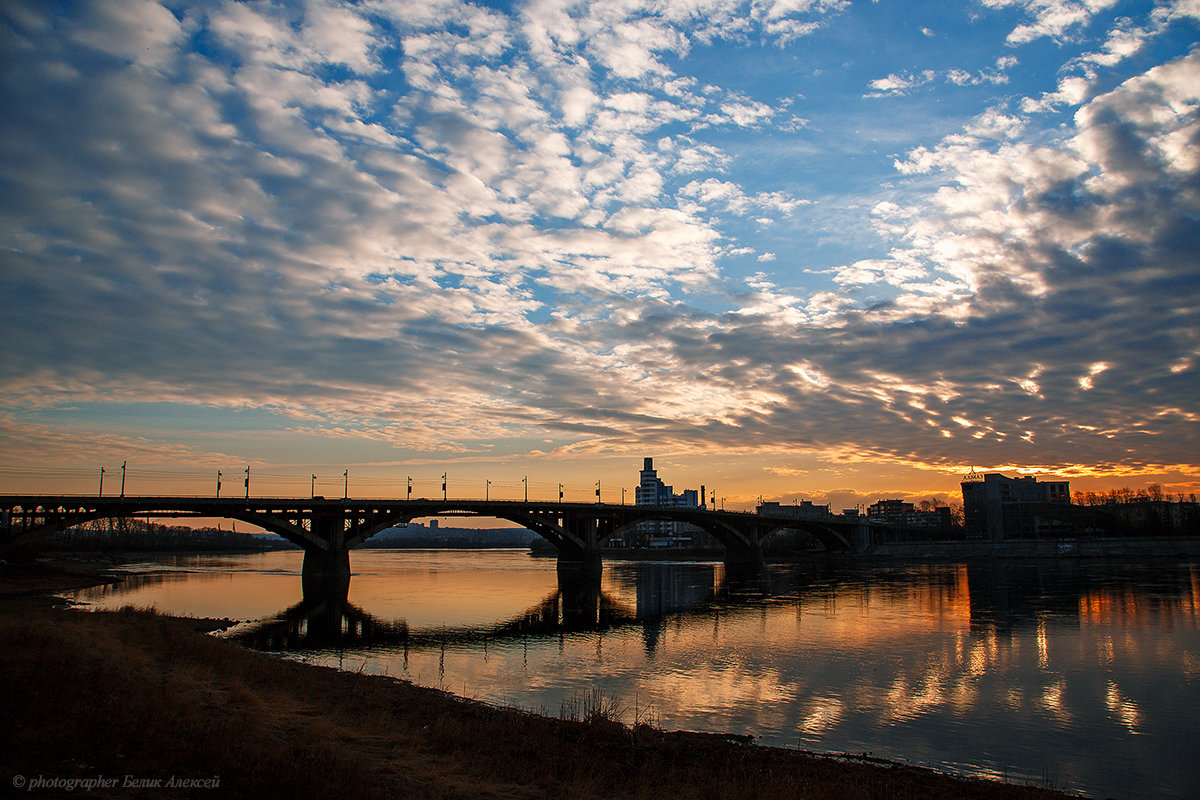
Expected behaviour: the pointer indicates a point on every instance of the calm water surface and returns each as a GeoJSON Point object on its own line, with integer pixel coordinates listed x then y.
{"type": "Point", "coordinates": [1083, 675]}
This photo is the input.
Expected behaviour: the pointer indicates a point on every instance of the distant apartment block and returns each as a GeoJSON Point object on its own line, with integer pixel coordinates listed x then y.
{"type": "Point", "coordinates": [999, 507]}
{"type": "Point", "coordinates": [905, 515]}
{"type": "Point", "coordinates": [890, 512]}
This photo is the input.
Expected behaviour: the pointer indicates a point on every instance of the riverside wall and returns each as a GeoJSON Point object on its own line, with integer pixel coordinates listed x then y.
{"type": "Point", "coordinates": [1098, 547]}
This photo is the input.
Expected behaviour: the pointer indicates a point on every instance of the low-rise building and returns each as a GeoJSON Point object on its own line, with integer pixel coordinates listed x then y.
{"type": "Point", "coordinates": [805, 509]}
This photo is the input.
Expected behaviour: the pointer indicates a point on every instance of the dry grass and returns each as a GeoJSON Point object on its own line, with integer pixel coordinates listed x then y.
{"type": "Point", "coordinates": [135, 693]}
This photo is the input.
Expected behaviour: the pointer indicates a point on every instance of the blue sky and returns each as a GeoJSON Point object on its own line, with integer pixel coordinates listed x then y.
{"type": "Point", "coordinates": [799, 247]}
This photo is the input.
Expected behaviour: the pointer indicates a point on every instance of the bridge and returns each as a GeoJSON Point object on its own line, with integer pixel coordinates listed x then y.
{"type": "Point", "coordinates": [328, 529]}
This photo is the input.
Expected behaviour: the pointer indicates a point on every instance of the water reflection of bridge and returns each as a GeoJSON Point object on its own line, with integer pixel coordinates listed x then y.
{"type": "Point", "coordinates": [1004, 595]}
{"type": "Point", "coordinates": [327, 620]}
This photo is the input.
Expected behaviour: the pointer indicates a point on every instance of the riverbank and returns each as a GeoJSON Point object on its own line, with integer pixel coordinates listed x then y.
{"type": "Point", "coordinates": [108, 695]}
{"type": "Point", "coordinates": [1075, 547]}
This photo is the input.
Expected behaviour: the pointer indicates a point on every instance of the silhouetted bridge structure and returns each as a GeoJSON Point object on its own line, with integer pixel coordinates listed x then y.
{"type": "Point", "coordinates": [328, 529]}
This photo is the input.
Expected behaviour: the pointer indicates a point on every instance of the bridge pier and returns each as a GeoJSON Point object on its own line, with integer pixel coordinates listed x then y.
{"type": "Point", "coordinates": [861, 540]}
{"type": "Point", "coordinates": [581, 557]}
{"type": "Point", "coordinates": [579, 568]}
{"type": "Point", "coordinates": [325, 572]}
{"type": "Point", "coordinates": [748, 554]}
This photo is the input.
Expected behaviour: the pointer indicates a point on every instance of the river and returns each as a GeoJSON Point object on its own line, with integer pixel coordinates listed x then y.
{"type": "Point", "coordinates": [1079, 674]}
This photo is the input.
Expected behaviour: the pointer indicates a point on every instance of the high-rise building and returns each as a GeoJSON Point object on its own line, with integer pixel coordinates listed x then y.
{"type": "Point", "coordinates": [651, 491]}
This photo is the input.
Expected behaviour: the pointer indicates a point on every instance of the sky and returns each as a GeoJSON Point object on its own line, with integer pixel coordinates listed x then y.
{"type": "Point", "coordinates": [791, 249]}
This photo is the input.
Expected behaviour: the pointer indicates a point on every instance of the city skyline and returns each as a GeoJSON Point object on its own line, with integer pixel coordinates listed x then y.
{"type": "Point", "coordinates": [805, 249]}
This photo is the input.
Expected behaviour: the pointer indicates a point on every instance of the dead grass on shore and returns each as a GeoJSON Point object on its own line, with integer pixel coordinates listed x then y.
{"type": "Point", "coordinates": [133, 693]}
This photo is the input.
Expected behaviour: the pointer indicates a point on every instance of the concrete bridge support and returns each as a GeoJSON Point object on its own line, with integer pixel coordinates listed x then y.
{"type": "Point", "coordinates": [861, 540]}
{"type": "Point", "coordinates": [744, 545]}
{"type": "Point", "coordinates": [326, 570]}
{"type": "Point", "coordinates": [743, 553]}
{"type": "Point", "coordinates": [580, 549]}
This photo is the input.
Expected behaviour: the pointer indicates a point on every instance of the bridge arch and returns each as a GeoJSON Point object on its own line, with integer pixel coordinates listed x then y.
{"type": "Point", "coordinates": [552, 525]}
{"type": "Point", "coordinates": [829, 538]}
{"type": "Point", "coordinates": [731, 538]}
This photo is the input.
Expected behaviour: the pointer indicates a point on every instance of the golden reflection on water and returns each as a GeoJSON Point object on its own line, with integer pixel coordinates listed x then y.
{"type": "Point", "coordinates": [427, 590]}
{"type": "Point", "coordinates": [241, 587]}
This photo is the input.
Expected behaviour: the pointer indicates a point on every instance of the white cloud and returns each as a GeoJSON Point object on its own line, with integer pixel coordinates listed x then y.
{"type": "Point", "coordinates": [731, 196]}
{"type": "Point", "coordinates": [141, 31]}
{"type": "Point", "coordinates": [1052, 18]}
{"type": "Point", "coordinates": [898, 83]}
{"type": "Point", "coordinates": [340, 36]}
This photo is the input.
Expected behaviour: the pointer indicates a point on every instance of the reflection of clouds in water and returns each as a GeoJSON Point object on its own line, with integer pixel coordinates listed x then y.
{"type": "Point", "coordinates": [908, 697]}
{"type": "Point", "coordinates": [1122, 708]}
{"type": "Point", "coordinates": [822, 712]}
{"type": "Point", "coordinates": [1052, 701]}
{"type": "Point", "coordinates": [1104, 650]}
{"type": "Point", "coordinates": [712, 687]}
{"type": "Point", "coordinates": [1043, 653]}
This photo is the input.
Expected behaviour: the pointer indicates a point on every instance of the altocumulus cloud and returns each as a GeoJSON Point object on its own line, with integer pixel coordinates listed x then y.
{"type": "Point", "coordinates": [350, 213]}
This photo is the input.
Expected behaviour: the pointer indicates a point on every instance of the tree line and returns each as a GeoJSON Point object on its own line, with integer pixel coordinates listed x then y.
{"type": "Point", "coordinates": [1153, 493]}
{"type": "Point", "coordinates": [139, 534]}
